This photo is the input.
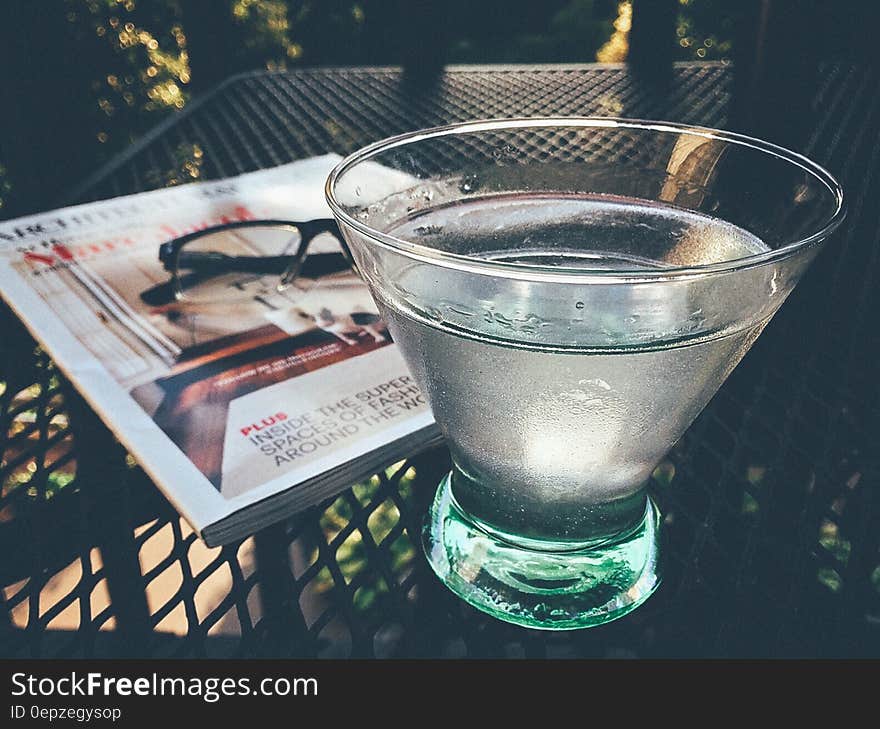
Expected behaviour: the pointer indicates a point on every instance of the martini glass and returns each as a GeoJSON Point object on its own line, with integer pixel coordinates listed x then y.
{"type": "Point", "coordinates": [570, 293]}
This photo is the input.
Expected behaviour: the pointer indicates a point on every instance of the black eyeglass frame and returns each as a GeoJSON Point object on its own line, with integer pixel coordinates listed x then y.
{"type": "Point", "coordinates": [287, 267]}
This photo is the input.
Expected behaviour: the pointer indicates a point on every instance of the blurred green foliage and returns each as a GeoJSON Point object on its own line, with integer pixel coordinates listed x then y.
{"type": "Point", "coordinates": [38, 413]}
{"type": "Point", "coordinates": [141, 65]}
{"type": "Point", "coordinates": [138, 65]}
{"type": "Point", "coordinates": [704, 29]}
{"type": "Point", "coordinates": [128, 63]}
{"type": "Point", "coordinates": [352, 554]}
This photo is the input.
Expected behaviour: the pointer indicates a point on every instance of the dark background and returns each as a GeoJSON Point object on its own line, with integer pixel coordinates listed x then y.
{"type": "Point", "coordinates": [82, 79]}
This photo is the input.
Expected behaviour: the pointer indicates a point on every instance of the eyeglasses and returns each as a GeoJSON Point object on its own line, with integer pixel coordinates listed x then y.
{"type": "Point", "coordinates": [243, 260]}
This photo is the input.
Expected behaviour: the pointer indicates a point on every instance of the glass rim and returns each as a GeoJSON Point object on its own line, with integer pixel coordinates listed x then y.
{"type": "Point", "coordinates": [532, 271]}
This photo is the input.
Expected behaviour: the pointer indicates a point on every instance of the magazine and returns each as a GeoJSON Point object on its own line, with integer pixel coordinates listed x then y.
{"type": "Point", "coordinates": [242, 411]}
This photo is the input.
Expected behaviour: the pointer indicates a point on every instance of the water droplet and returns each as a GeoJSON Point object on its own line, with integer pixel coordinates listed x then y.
{"type": "Point", "coordinates": [469, 183]}
{"type": "Point", "coordinates": [434, 313]}
{"type": "Point", "coordinates": [597, 382]}
{"type": "Point", "coordinates": [421, 193]}
{"type": "Point", "coordinates": [506, 151]}
{"type": "Point", "coordinates": [520, 322]}
{"type": "Point", "coordinates": [429, 229]}
{"type": "Point", "coordinates": [694, 321]}
{"type": "Point", "coordinates": [458, 310]}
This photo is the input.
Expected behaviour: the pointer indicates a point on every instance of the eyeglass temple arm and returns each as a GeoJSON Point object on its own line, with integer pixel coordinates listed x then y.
{"type": "Point", "coordinates": [213, 262]}
{"type": "Point", "coordinates": [288, 267]}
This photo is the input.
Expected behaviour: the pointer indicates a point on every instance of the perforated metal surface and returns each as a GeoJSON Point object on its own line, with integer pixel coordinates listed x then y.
{"type": "Point", "coordinates": [770, 498]}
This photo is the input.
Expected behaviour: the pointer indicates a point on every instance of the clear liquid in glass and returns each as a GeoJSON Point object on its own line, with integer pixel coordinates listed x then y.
{"type": "Point", "coordinates": [556, 415]}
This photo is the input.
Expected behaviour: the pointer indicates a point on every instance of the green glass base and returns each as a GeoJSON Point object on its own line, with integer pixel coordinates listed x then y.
{"type": "Point", "coordinates": [539, 589]}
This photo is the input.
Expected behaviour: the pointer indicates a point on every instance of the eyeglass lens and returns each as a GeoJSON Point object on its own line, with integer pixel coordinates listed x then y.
{"type": "Point", "coordinates": [234, 264]}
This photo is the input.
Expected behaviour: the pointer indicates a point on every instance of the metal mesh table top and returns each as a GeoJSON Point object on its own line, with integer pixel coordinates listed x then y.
{"type": "Point", "coordinates": [770, 499]}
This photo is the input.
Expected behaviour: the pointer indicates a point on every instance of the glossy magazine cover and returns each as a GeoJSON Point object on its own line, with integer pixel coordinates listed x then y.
{"type": "Point", "coordinates": [231, 401]}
